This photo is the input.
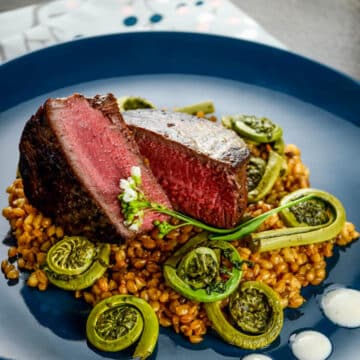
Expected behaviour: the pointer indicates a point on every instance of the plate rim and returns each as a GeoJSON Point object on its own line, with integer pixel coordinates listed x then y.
{"type": "Point", "coordinates": [215, 352]}
{"type": "Point", "coordinates": [323, 75]}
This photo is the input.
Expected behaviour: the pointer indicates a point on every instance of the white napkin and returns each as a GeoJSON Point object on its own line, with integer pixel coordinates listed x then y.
{"type": "Point", "coordinates": [33, 27]}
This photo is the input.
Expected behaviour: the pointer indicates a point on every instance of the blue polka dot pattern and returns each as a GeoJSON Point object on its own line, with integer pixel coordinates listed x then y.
{"type": "Point", "coordinates": [155, 18]}
{"type": "Point", "coordinates": [198, 3]}
{"type": "Point", "coordinates": [130, 21]}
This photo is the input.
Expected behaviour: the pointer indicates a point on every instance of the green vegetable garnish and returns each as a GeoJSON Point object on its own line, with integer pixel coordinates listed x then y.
{"type": "Point", "coordinates": [254, 172]}
{"type": "Point", "coordinates": [254, 316]}
{"type": "Point", "coordinates": [315, 220]}
{"type": "Point", "coordinates": [250, 226]}
{"type": "Point", "coordinates": [194, 270]}
{"type": "Point", "coordinates": [117, 322]}
{"type": "Point", "coordinates": [279, 146]}
{"type": "Point", "coordinates": [75, 263]}
{"type": "Point", "coordinates": [199, 267]}
{"type": "Point", "coordinates": [206, 107]}
{"type": "Point", "coordinates": [133, 103]}
{"type": "Point", "coordinates": [134, 205]}
{"type": "Point", "coordinates": [260, 130]}
{"type": "Point", "coordinates": [268, 175]}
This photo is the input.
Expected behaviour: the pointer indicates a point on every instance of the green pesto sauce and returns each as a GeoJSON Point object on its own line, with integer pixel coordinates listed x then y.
{"type": "Point", "coordinates": [199, 268]}
{"type": "Point", "coordinates": [255, 171]}
{"type": "Point", "coordinates": [312, 212]}
{"type": "Point", "coordinates": [259, 125]}
{"type": "Point", "coordinates": [250, 310]}
{"type": "Point", "coordinates": [134, 103]}
{"type": "Point", "coordinates": [115, 323]}
{"type": "Point", "coordinates": [73, 253]}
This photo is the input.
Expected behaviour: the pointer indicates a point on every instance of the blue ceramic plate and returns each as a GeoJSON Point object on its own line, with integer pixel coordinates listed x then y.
{"type": "Point", "coordinates": [318, 108]}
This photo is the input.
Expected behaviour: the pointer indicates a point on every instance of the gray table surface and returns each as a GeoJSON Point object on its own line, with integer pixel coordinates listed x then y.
{"type": "Point", "coordinates": [327, 31]}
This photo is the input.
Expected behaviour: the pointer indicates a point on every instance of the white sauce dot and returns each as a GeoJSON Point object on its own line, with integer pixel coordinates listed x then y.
{"type": "Point", "coordinates": [342, 307]}
{"type": "Point", "coordinates": [310, 345]}
{"type": "Point", "coordinates": [256, 357]}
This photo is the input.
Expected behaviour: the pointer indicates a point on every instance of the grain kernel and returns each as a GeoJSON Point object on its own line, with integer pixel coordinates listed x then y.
{"type": "Point", "coordinates": [195, 339]}
{"type": "Point", "coordinates": [154, 293]}
{"type": "Point", "coordinates": [41, 276]}
{"type": "Point", "coordinates": [196, 324]}
{"type": "Point", "coordinates": [148, 243]}
{"type": "Point", "coordinates": [281, 268]}
{"type": "Point", "coordinates": [103, 284]}
{"type": "Point", "coordinates": [51, 230]}
{"type": "Point", "coordinates": [13, 274]}
{"type": "Point", "coordinates": [182, 310]}
{"type": "Point", "coordinates": [40, 258]}
{"type": "Point", "coordinates": [165, 321]}
{"type": "Point", "coordinates": [315, 257]}
{"type": "Point", "coordinates": [18, 212]}
{"type": "Point", "coordinates": [144, 295]}
{"type": "Point", "coordinates": [153, 283]}
{"type": "Point", "coordinates": [266, 264]}
{"type": "Point", "coordinates": [321, 273]}
{"type": "Point", "coordinates": [32, 281]}
{"type": "Point", "coordinates": [139, 263]}
{"type": "Point", "coordinates": [310, 276]}
{"type": "Point", "coordinates": [129, 276]}
{"type": "Point", "coordinates": [152, 267]}
{"type": "Point", "coordinates": [140, 282]}
{"type": "Point", "coordinates": [96, 289]}
{"type": "Point", "coordinates": [89, 297]}
{"type": "Point", "coordinates": [123, 290]}
{"type": "Point", "coordinates": [155, 305]}
{"type": "Point", "coordinates": [296, 301]}
{"type": "Point", "coordinates": [186, 319]}
{"type": "Point", "coordinates": [12, 252]}
{"type": "Point", "coordinates": [42, 286]}
{"type": "Point", "coordinates": [164, 297]}
{"type": "Point", "coordinates": [29, 219]}
{"type": "Point", "coordinates": [59, 232]}
{"type": "Point", "coordinates": [46, 222]}
{"type": "Point", "coordinates": [21, 263]}
{"type": "Point", "coordinates": [37, 221]}
{"type": "Point", "coordinates": [131, 286]}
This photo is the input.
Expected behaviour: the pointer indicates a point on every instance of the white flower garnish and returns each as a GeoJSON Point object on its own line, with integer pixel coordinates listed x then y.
{"type": "Point", "coordinates": [132, 200]}
{"type": "Point", "coordinates": [136, 174]}
{"type": "Point", "coordinates": [130, 195]}
{"type": "Point", "coordinates": [134, 227]}
{"type": "Point", "coordinates": [124, 184]}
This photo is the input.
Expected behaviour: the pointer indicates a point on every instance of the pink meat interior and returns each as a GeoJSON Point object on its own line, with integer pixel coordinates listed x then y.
{"type": "Point", "coordinates": [191, 183]}
{"type": "Point", "coordinates": [102, 156]}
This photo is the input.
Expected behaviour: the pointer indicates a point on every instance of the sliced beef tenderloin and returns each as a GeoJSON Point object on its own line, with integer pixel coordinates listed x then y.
{"type": "Point", "coordinates": [73, 153]}
{"type": "Point", "coordinates": [200, 165]}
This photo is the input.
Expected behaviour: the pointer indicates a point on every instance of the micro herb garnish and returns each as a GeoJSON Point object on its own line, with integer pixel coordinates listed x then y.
{"type": "Point", "coordinates": [195, 270]}
{"type": "Point", "coordinates": [134, 205]}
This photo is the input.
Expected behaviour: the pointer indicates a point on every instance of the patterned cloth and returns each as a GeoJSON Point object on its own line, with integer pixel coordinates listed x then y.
{"type": "Point", "coordinates": [33, 27]}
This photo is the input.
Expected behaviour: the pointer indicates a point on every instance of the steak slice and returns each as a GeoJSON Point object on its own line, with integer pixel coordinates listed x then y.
{"type": "Point", "coordinates": [73, 153]}
{"type": "Point", "coordinates": [201, 166]}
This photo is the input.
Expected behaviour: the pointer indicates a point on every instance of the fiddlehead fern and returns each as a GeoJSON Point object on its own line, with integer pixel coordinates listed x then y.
{"type": "Point", "coordinates": [119, 321]}
{"type": "Point", "coordinates": [75, 263]}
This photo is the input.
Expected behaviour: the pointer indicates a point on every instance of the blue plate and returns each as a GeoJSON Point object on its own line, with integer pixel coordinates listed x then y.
{"type": "Point", "coordinates": [318, 108]}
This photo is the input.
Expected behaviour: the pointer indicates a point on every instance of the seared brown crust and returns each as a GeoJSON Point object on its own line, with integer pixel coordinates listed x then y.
{"type": "Point", "coordinates": [202, 137]}
{"type": "Point", "coordinates": [216, 148]}
{"type": "Point", "coordinates": [52, 185]}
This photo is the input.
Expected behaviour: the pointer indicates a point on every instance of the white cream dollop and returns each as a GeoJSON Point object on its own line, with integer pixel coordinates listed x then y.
{"type": "Point", "coordinates": [310, 345]}
{"type": "Point", "coordinates": [342, 307]}
{"type": "Point", "coordinates": [256, 357]}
